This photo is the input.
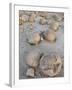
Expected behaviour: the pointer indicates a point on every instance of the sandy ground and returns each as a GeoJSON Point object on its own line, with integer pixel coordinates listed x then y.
{"type": "Point", "coordinates": [44, 46]}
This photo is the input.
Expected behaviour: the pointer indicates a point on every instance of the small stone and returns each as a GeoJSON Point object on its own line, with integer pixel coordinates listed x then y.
{"type": "Point", "coordinates": [43, 21]}
{"type": "Point", "coordinates": [57, 67]}
{"type": "Point", "coordinates": [30, 72]}
{"type": "Point", "coordinates": [49, 21]}
{"type": "Point", "coordinates": [49, 36]}
{"type": "Point", "coordinates": [58, 17]}
{"type": "Point", "coordinates": [34, 39]}
{"type": "Point", "coordinates": [54, 26]}
{"type": "Point", "coordinates": [46, 61]}
{"type": "Point", "coordinates": [51, 65]}
{"type": "Point", "coordinates": [21, 22]}
{"type": "Point", "coordinates": [24, 18]}
{"type": "Point", "coordinates": [43, 14]}
{"type": "Point", "coordinates": [32, 18]}
{"type": "Point", "coordinates": [33, 57]}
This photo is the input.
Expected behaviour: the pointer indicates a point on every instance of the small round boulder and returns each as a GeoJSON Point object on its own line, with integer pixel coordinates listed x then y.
{"type": "Point", "coordinates": [50, 65]}
{"type": "Point", "coordinates": [54, 26]}
{"type": "Point", "coordinates": [34, 38]}
{"type": "Point", "coordinates": [49, 36]}
{"type": "Point", "coordinates": [30, 72]}
{"type": "Point", "coordinates": [33, 57]}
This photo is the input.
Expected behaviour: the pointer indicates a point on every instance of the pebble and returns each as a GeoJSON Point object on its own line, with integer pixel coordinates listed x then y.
{"type": "Point", "coordinates": [49, 36]}
{"type": "Point", "coordinates": [24, 18]}
{"type": "Point", "coordinates": [34, 39]}
{"type": "Point", "coordinates": [43, 14]}
{"type": "Point", "coordinates": [21, 22]}
{"type": "Point", "coordinates": [30, 72]}
{"type": "Point", "coordinates": [51, 65]}
{"type": "Point", "coordinates": [43, 21]}
{"type": "Point", "coordinates": [54, 26]}
{"type": "Point", "coordinates": [32, 18]}
{"type": "Point", "coordinates": [33, 57]}
{"type": "Point", "coordinates": [58, 17]}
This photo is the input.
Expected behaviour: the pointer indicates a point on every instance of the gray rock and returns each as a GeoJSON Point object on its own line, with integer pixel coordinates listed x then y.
{"type": "Point", "coordinates": [51, 65]}
{"type": "Point", "coordinates": [30, 72]}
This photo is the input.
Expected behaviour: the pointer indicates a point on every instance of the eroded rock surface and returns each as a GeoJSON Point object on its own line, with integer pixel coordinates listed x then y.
{"type": "Point", "coordinates": [41, 34]}
{"type": "Point", "coordinates": [51, 65]}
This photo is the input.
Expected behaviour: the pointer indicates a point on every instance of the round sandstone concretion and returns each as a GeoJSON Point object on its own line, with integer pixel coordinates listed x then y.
{"type": "Point", "coordinates": [54, 26]}
{"type": "Point", "coordinates": [33, 57]}
{"type": "Point", "coordinates": [50, 65]}
{"type": "Point", "coordinates": [49, 36]}
{"type": "Point", "coordinates": [34, 38]}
